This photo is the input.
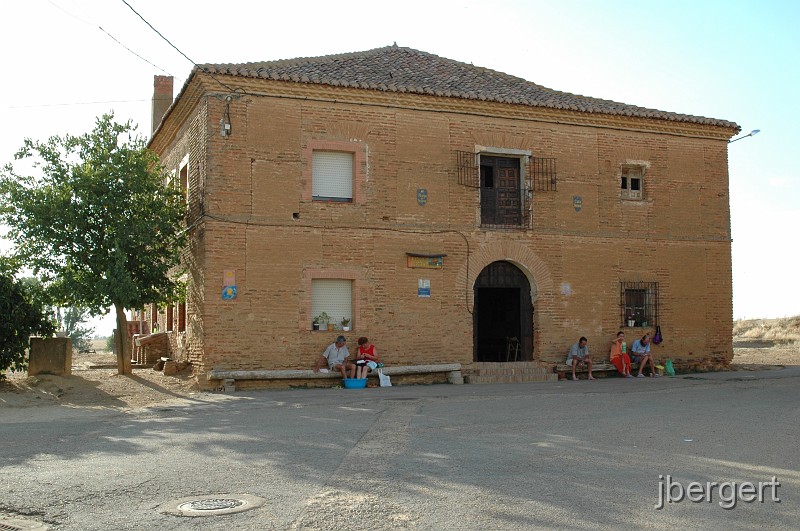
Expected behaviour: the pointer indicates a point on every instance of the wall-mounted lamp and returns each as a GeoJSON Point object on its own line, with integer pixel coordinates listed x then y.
{"type": "Point", "coordinates": [751, 133]}
{"type": "Point", "coordinates": [225, 121]}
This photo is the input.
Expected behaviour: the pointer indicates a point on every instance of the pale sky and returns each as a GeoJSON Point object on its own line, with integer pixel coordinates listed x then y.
{"type": "Point", "coordinates": [730, 59]}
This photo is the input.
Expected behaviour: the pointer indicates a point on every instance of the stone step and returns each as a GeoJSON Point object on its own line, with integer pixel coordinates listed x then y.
{"type": "Point", "coordinates": [516, 378]}
{"type": "Point", "coordinates": [509, 372]}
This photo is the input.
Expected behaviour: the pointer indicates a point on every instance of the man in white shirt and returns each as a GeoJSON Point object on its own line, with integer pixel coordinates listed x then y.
{"type": "Point", "coordinates": [336, 357]}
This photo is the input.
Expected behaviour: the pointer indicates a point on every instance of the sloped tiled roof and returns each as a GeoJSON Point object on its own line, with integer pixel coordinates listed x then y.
{"type": "Point", "coordinates": [399, 69]}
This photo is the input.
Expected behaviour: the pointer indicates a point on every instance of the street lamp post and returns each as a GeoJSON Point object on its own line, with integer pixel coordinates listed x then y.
{"type": "Point", "coordinates": [751, 133]}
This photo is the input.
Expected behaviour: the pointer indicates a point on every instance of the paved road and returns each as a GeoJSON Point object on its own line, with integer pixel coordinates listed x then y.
{"type": "Point", "coordinates": [583, 455]}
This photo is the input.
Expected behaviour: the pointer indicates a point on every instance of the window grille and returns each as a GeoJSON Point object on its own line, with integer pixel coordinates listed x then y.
{"type": "Point", "coordinates": [332, 176]}
{"type": "Point", "coordinates": [639, 303]}
{"type": "Point", "coordinates": [333, 296]}
{"type": "Point", "coordinates": [467, 168]}
{"type": "Point", "coordinates": [543, 174]}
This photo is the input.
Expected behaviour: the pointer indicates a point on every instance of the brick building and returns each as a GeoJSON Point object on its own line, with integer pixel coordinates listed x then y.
{"type": "Point", "coordinates": [445, 209]}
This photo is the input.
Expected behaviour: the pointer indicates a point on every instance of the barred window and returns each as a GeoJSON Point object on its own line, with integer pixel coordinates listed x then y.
{"type": "Point", "coordinates": [639, 304]}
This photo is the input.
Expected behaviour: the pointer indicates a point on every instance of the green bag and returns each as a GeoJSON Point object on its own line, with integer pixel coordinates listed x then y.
{"type": "Point", "coordinates": [669, 369]}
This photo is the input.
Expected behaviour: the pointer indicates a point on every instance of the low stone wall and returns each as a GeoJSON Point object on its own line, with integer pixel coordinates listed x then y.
{"type": "Point", "coordinates": [50, 355]}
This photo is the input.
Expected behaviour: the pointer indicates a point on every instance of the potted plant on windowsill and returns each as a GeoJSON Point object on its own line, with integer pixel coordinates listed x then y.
{"type": "Point", "coordinates": [325, 321]}
{"type": "Point", "coordinates": [315, 323]}
{"type": "Point", "coordinates": [346, 324]}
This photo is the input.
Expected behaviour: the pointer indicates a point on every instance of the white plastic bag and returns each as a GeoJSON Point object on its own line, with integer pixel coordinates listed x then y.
{"type": "Point", "coordinates": [384, 379]}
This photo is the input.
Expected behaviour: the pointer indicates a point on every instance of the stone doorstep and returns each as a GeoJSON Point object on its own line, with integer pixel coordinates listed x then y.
{"type": "Point", "coordinates": [511, 372]}
{"type": "Point", "coordinates": [518, 378]}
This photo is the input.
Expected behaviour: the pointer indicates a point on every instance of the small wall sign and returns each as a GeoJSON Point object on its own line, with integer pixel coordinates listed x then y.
{"type": "Point", "coordinates": [422, 196]}
{"type": "Point", "coordinates": [577, 202]}
{"type": "Point", "coordinates": [424, 287]}
{"type": "Point", "coordinates": [228, 293]}
{"type": "Point", "coordinates": [425, 261]}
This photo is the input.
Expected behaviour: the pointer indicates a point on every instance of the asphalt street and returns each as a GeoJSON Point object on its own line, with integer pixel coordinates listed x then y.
{"type": "Point", "coordinates": [580, 455]}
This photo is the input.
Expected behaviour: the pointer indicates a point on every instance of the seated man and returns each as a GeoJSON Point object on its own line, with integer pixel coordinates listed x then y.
{"type": "Point", "coordinates": [640, 353]}
{"type": "Point", "coordinates": [336, 356]}
{"type": "Point", "coordinates": [579, 356]}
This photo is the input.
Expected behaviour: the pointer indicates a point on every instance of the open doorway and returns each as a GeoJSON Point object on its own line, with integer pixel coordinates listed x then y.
{"type": "Point", "coordinates": [503, 315]}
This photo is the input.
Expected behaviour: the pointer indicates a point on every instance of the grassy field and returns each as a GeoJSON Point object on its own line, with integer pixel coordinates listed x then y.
{"type": "Point", "coordinates": [785, 330]}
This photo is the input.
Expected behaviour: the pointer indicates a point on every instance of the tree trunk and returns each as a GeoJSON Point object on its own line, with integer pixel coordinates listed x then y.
{"type": "Point", "coordinates": [123, 342]}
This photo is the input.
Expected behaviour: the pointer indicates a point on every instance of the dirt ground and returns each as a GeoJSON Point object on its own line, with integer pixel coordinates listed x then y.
{"type": "Point", "coordinates": [95, 383]}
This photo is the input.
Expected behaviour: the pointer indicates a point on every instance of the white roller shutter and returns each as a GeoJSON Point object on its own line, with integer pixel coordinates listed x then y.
{"type": "Point", "coordinates": [333, 296]}
{"type": "Point", "coordinates": [332, 175]}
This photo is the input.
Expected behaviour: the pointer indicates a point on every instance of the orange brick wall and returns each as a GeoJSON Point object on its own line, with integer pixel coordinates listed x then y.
{"type": "Point", "coordinates": [251, 188]}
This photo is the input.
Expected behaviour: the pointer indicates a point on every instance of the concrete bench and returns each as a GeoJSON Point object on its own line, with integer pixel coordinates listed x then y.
{"type": "Point", "coordinates": [603, 366]}
{"type": "Point", "coordinates": [229, 377]}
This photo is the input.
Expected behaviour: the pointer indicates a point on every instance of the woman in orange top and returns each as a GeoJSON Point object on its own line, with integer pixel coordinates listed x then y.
{"type": "Point", "coordinates": [619, 356]}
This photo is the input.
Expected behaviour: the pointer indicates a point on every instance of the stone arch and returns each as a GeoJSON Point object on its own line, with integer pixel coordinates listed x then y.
{"type": "Point", "coordinates": [523, 257]}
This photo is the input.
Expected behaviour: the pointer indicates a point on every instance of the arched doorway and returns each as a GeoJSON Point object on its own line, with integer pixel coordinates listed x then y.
{"type": "Point", "coordinates": [503, 310]}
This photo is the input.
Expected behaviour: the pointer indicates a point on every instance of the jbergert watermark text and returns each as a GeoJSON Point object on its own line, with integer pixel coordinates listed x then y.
{"type": "Point", "coordinates": [727, 493]}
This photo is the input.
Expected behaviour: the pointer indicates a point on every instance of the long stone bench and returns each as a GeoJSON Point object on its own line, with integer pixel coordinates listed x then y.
{"type": "Point", "coordinates": [229, 377]}
{"type": "Point", "coordinates": [604, 366]}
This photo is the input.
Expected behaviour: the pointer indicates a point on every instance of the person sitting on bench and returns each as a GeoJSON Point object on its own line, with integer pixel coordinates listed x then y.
{"type": "Point", "coordinates": [579, 356]}
{"type": "Point", "coordinates": [640, 353]}
{"type": "Point", "coordinates": [619, 355]}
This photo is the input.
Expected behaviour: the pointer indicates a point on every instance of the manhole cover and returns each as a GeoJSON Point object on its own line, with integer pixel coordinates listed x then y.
{"type": "Point", "coordinates": [213, 505]}
{"type": "Point", "coordinates": [18, 523]}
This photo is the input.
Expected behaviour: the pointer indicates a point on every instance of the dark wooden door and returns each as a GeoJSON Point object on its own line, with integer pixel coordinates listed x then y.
{"type": "Point", "coordinates": [500, 191]}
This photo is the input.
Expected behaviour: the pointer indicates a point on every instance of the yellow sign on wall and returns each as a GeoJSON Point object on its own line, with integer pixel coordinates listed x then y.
{"type": "Point", "coordinates": [425, 262]}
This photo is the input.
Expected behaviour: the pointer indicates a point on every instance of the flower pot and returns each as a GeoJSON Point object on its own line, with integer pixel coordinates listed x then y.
{"type": "Point", "coordinates": [316, 326]}
{"type": "Point", "coordinates": [331, 326]}
{"type": "Point", "coordinates": [346, 328]}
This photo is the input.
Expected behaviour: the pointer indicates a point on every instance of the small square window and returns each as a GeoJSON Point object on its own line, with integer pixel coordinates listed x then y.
{"type": "Point", "coordinates": [632, 182]}
{"type": "Point", "coordinates": [332, 176]}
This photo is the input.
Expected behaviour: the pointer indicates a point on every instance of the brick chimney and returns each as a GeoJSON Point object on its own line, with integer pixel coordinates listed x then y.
{"type": "Point", "coordinates": [162, 99]}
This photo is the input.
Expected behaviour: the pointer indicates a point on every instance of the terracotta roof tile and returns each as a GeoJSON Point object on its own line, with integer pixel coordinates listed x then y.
{"type": "Point", "coordinates": [399, 69]}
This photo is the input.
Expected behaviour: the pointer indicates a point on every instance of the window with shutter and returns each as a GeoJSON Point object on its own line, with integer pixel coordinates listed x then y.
{"type": "Point", "coordinates": [332, 176]}
{"type": "Point", "coordinates": [333, 296]}
{"type": "Point", "coordinates": [632, 182]}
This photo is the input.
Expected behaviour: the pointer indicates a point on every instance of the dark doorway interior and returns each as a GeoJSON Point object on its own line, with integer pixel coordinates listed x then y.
{"type": "Point", "coordinates": [503, 310]}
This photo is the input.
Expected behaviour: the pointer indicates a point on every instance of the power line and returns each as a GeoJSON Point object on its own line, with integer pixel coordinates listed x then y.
{"type": "Point", "coordinates": [107, 33]}
{"type": "Point", "coordinates": [176, 48]}
{"type": "Point", "coordinates": [158, 32]}
{"type": "Point", "coordinates": [73, 103]}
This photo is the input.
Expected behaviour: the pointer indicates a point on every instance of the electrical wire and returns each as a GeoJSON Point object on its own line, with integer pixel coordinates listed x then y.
{"type": "Point", "coordinates": [176, 48]}
{"type": "Point", "coordinates": [107, 33]}
{"type": "Point", "coordinates": [74, 103]}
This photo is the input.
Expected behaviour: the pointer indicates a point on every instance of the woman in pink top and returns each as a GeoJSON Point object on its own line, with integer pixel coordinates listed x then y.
{"type": "Point", "coordinates": [366, 357]}
{"type": "Point", "coordinates": [619, 356]}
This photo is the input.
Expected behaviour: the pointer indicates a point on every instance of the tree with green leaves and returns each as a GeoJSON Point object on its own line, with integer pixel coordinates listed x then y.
{"type": "Point", "coordinates": [96, 222]}
{"type": "Point", "coordinates": [23, 313]}
{"type": "Point", "coordinates": [73, 320]}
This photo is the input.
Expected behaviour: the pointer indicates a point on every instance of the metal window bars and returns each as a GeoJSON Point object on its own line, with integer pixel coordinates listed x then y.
{"type": "Point", "coordinates": [638, 304]}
